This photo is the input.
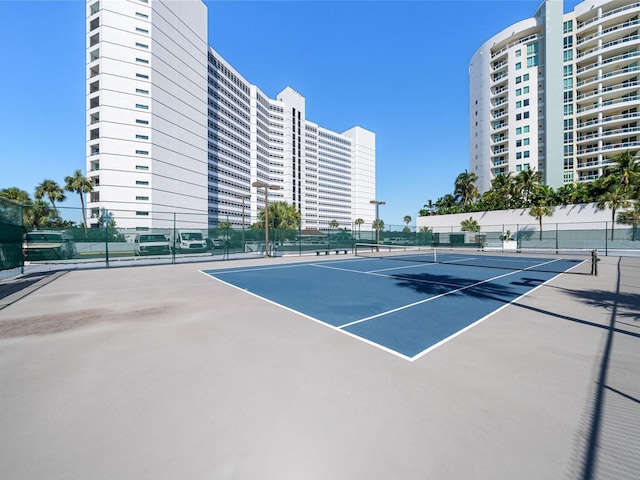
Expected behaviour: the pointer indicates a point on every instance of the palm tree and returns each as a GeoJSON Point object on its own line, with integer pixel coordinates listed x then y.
{"type": "Point", "coordinates": [407, 221]}
{"type": "Point", "coordinates": [470, 225]}
{"type": "Point", "coordinates": [15, 194]}
{"type": "Point", "coordinates": [625, 169]}
{"type": "Point", "coordinates": [502, 187]}
{"type": "Point", "coordinates": [51, 190]}
{"type": "Point", "coordinates": [80, 184]}
{"type": "Point", "coordinates": [526, 183]}
{"type": "Point", "coordinates": [427, 209]}
{"type": "Point", "coordinates": [38, 214]}
{"type": "Point", "coordinates": [631, 217]}
{"type": "Point", "coordinates": [465, 189]}
{"type": "Point", "coordinates": [539, 211]}
{"type": "Point", "coordinates": [283, 217]}
{"type": "Point", "coordinates": [359, 222]}
{"type": "Point", "coordinates": [615, 198]}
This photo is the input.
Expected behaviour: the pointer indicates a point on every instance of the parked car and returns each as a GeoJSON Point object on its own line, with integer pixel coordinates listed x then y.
{"type": "Point", "coordinates": [189, 241]}
{"type": "Point", "coordinates": [48, 245]}
{"type": "Point", "coordinates": [151, 244]}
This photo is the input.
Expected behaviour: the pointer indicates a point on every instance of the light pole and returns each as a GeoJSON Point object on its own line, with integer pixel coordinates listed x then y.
{"type": "Point", "coordinates": [377, 203]}
{"type": "Point", "coordinates": [243, 196]}
{"type": "Point", "coordinates": [266, 187]}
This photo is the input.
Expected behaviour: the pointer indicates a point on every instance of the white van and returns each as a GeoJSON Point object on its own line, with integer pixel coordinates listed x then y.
{"type": "Point", "coordinates": [151, 244]}
{"type": "Point", "coordinates": [48, 245]}
{"type": "Point", "coordinates": [189, 241]}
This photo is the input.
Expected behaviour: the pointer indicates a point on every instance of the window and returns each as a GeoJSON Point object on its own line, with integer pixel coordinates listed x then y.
{"type": "Point", "coordinates": [518, 143]}
{"type": "Point", "coordinates": [532, 61]}
{"type": "Point", "coordinates": [518, 53]}
{"type": "Point", "coordinates": [142, 60]}
{"type": "Point", "coordinates": [142, 15]}
{"type": "Point", "coordinates": [518, 116]}
{"type": "Point", "coordinates": [142, 122]}
{"type": "Point", "coordinates": [568, 96]}
{"type": "Point", "coordinates": [518, 92]}
{"type": "Point", "coordinates": [568, 55]}
{"type": "Point", "coordinates": [142, 198]}
{"type": "Point", "coordinates": [519, 131]}
{"type": "Point", "coordinates": [518, 66]}
{"type": "Point", "coordinates": [568, 124]}
{"type": "Point", "coordinates": [532, 48]}
{"type": "Point", "coordinates": [142, 182]}
{"type": "Point", "coordinates": [141, 30]}
{"type": "Point", "coordinates": [525, 142]}
{"type": "Point", "coordinates": [142, 213]}
{"type": "Point", "coordinates": [142, 167]}
{"type": "Point", "coordinates": [142, 107]}
{"type": "Point", "coordinates": [140, 90]}
{"type": "Point", "coordinates": [141, 45]}
{"type": "Point", "coordinates": [526, 165]}
{"type": "Point", "coordinates": [518, 104]}
{"type": "Point", "coordinates": [525, 115]}
{"type": "Point", "coordinates": [142, 137]}
{"type": "Point", "coordinates": [568, 83]}
{"type": "Point", "coordinates": [518, 79]}
{"type": "Point", "coordinates": [526, 129]}
{"type": "Point", "coordinates": [525, 77]}
{"type": "Point", "coordinates": [567, 27]}
{"type": "Point", "coordinates": [94, 102]}
{"type": "Point", "coordinates": [525, 90]}
{"type": "Point", "coordinates": [518, 155]}
{"type": "Point", "coordinates": [568, 41]}
{"type": "Point", "coordinates": [526, 155]}
{"type": "Point", "coordinates": [568, 109]}
{"type": "Point", "coordinates": [142, 75]}
{"type": "Point", "coordinates": [518, 167]}
{"type": "Point", "coordinates": [142, 152]}
{"type": "Point", "coordinates": [94, 8]}
{"type": "Point", "coordinates": [568, 70]}
{"type": "Point", "coordinates": [525, 102]}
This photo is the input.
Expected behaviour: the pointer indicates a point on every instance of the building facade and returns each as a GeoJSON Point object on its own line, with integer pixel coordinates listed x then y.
{"type": "Point", "coordinates": [177, 137]}
{"type": "Point", "coordinates": [557, 93]}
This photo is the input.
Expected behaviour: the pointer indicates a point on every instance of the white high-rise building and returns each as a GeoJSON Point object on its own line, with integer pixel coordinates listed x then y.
{"type": "Point", "coordinates": [557, 93]}
{"type": "Point", "coordinates": [177, 137]}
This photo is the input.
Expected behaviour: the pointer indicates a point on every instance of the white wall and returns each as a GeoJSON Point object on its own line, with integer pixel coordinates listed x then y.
{"type": "Point", "coordinates": [575, 217]}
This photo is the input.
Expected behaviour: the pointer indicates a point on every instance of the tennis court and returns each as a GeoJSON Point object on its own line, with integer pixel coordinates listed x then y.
{"type": "Point", "coordinates": [405, 301]}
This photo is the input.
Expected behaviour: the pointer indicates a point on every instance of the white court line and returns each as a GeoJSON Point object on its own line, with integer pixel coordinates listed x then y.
{"type": "Point", "coordinates": [397, 277]}
{"type": "Point", "coordinates": [325, 324]}
{"type": "Point", "coordinates": [477, 322]}
{"type": "Point", "coordinates": [426, 300]}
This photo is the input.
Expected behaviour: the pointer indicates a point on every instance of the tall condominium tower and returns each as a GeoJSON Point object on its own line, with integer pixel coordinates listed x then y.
{"type": "Point", "coordinates": [557, 93]}
{"type": "Point", "coordinates": [176, 136]}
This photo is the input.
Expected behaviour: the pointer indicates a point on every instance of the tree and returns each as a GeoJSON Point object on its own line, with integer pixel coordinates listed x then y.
{"type": "Point", "coordinates": [283, 218]}
{"type": "Point", "coordinates": [359, 222]}
{"type": "Point", "coordinates": [51, 190]}
{"type": "Point", "coordinates": [378, 224]}
{"type": "Point", "coordinates": [615, 198]}
{"type": "Point", "coordinates": [38, 214]}
{"type": "Point", "coordinates": [333, 224]}
{"type": "Point", "coordinates": [526, 183]}
{"type": "Point", "coordinates": [428, 209]}
{"type": "Point", "coordinates": [15, 194]}
{"type": "Point", "coordinates": [625, 169]}
{"type": "Point", "coordinates": [502, 191]}
{"type": "Point", "coordinates": [470, 225]}
{"type": "Point", "coordinates": [539, 211]}
{"type": "Point", "coordinates": [407, 220]}
{"type": "Point", "coordinates": [465, 189]}
{"type": "Point", "coordinates": [79, 184]}
{"type": "Point", "coordinates": [631, 217]}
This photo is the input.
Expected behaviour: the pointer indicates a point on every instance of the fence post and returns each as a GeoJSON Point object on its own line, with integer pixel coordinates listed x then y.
{"type": "Point", "coordinates": [606, 239]}
{"type": "Point", "coordinates": [173, 241]}
{"type": "Point", "coordinates": [556, 238]}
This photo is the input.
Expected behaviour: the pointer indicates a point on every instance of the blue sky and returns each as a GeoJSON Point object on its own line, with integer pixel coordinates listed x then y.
{"type": "Point", "coordinates": [398, 68]}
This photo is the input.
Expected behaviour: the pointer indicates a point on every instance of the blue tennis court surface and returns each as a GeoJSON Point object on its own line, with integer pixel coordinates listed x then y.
{"type": "Point", "coordinates": [406, 308]}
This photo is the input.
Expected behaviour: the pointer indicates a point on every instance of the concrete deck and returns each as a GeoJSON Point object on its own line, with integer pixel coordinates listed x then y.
{"type": "Point", "coordinates": [160, 372]}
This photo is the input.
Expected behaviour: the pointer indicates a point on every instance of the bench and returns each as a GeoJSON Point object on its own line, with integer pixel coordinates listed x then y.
{"type": "Point", "coordinates": [326, 252]}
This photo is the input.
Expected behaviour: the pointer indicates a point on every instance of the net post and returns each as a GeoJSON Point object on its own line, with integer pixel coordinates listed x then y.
{"type": "Point", "coordinates": [594, 262]}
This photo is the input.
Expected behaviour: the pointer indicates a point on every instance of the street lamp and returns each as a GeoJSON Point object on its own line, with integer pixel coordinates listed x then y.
{"type": "Point", "coordinates": [266, 187]}
{"type": "Point", "coordinates": [377, 203]}
{"type": "Point", "coordinates": [243, 196]}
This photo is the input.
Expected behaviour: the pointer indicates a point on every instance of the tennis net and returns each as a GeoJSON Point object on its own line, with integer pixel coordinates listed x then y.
{"type": "Point", "coordinates": [582, 261]}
